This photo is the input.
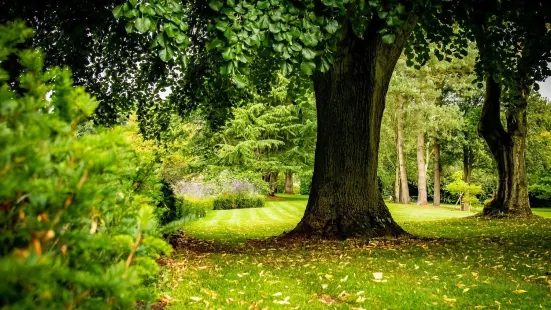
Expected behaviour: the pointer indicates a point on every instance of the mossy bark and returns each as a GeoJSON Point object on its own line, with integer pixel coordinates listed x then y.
{"type": "Point", "coordinates": [350, 98]}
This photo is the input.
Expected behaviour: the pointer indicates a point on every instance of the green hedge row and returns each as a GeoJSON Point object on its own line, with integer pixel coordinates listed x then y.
{"type": "Point", "coordinates": [227, 202]}
{"type": "Point", "coordinates": [192, 208]}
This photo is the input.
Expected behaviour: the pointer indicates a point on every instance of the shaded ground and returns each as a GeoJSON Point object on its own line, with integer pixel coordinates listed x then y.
{"type": "Point", "coordinates": [465, 263]}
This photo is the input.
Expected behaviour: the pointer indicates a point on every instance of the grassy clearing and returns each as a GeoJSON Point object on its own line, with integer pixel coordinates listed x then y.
{"type": "Point", "coordinates": [282, 215]}
{"type": "Point", "coordinates": [464, 263]}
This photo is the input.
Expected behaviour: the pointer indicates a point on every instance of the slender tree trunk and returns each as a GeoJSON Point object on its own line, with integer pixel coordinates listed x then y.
{"type": "Point", "coordinates": [273, 183]}
{"type": "Point", "coordinates": [508, 149]}
{"type": "Point", "coordinates": [422, 171]}
{"type": "Point", "coordinates": [288, 182]}
{"type": "Point", "coordinates": [350, 98]}
{"type": "Point", "coordinates": [404, 189]}
{"type": "Point", "coordinates": [436, 201]}
{"type": "Point", "coordinates": [467, 169]}
{"type": "Point", "coordinates": [397, 184]}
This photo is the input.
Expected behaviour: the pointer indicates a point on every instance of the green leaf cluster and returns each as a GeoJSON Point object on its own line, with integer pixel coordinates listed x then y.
{"type": "Point", "coordinates": [78, 226]}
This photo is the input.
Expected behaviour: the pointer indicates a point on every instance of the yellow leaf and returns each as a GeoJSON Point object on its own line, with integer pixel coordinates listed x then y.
{"type": "Point", "coordinates": [519, 291]}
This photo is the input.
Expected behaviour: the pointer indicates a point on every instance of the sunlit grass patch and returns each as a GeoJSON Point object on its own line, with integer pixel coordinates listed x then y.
{"type": "Point", "coordinates": [282, 215]}
{"type": "Point", "coordinates": [464, 263]}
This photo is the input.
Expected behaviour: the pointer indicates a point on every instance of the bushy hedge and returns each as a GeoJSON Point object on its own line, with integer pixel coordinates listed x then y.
{"type": "Point", "coordinates": [191, 209]}
{"type": "Point", "coordinates": [77, 223]}
{"type": "Point", "coordinates": [238, 201]}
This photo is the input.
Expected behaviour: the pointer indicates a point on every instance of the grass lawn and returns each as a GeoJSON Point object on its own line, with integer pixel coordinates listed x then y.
{"type": "Point", "coordinates": [465, 263]}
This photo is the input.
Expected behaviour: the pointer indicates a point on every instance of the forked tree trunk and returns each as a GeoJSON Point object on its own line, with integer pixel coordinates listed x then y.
{"type": "Point", "coordinates": [436, 201]}
{"type": "Point", "coordinates": [288, 182]}
{"type": "Point", "coordinates": [508, 149]}
{"type": "Point", "coordinates": [350, 98]}
{"type": "Point", "coordinates": [422, 171]}
{"type": "Point", "coordinates": [404, 189]}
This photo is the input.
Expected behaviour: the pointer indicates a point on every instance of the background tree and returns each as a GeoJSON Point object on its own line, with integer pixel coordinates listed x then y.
{"type": "Point", "coordinates": [269, 135]}
{"type": "Point", "coordinates": [513, 40]}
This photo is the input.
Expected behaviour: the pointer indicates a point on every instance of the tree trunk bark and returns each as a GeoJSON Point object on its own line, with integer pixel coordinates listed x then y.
{"type": "Point", "coordinates": [467, 169]}
{"type": "Point", "coordinates": [273, 183]}
{"type": "Point", "coordinates": [288, 182]}
{"type": "Point", "coordinates": [436, 200]}
{"type": "Point", "coordinates": [508, 149]}
{"type": "Point", "coordinates": [350, 99]}
{"type": "Point", "coordinates": [404, 189]}
{"type": "Point", "coordinates": [397, 183]}
{"type": "Point", "coordinates": [422, 171]}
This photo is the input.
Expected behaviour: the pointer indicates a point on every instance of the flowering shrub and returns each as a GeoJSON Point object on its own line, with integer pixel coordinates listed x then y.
{"type": "Point", "coordinates": [224, 182]}
{"type": "Point", "coordinates": [77, 224]}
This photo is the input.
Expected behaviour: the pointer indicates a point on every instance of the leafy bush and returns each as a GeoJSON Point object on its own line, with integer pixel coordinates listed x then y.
{"type": "Point", "coordinates": [77, 224]}
{"type": "Point", "coordinates": [305, 184]}
{"type": "Point", "coordinates": [466, 192]}
{"type": "Point", "coordinates": [192, 208]}
{"type": "Point", "coordinates": [238, 201]}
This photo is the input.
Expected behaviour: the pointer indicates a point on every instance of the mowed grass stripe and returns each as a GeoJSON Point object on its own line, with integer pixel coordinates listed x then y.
{"type": "Point", "coordinates": [296, 210]}
{"type": "Point", "coordinates": [271, 214]}
{"type": "Point", "coordinates": [282, 215]}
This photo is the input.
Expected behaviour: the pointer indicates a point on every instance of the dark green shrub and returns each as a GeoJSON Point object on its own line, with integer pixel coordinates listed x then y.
{"type": "Point", "coordinates": [238, 201]}
{"type": "Point", "coordinates": [167, 210]}
{"type": "Point", "coordinates": [77, 223]}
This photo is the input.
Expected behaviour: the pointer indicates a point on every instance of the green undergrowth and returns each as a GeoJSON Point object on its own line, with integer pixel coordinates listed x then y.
{"type": "Point", "coordinates": [454, 261]}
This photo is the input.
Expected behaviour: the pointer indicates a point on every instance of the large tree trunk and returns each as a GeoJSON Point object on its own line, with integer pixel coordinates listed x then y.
{"type": "Point", "coordinates": [350, 98]}
{"type": "Point", "coordinates": [404, 189]}
{"type": "Point", "coordinates": [422, 171]}
{"type": "Point", "coordinates": [436, 201]}
{"type": "Point", "coordinates": [288, 182]}
{"type": "Point", "coordinates": [508, 149]}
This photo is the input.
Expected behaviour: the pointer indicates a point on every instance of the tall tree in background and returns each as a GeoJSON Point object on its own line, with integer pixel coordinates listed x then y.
{"type": "Point", "coordinates": [513, 39]}
{"type": "Point", "coordinates": [423, 90]}
{"type": "Point", "coordinates": [270, 134]}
